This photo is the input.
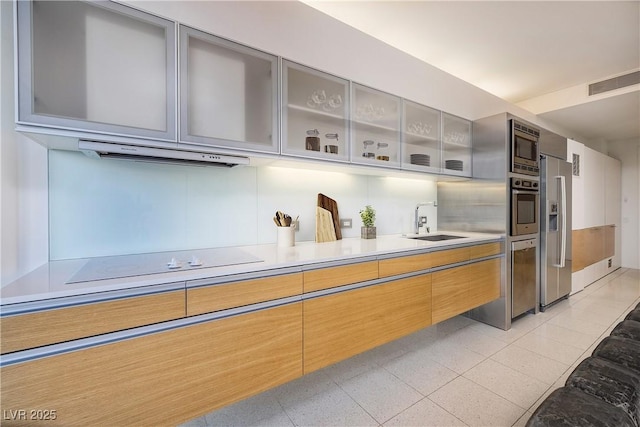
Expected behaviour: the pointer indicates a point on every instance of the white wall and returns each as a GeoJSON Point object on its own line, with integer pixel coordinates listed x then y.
{"type": "Point", "coordinates": [120, 207]}
{"type": "Point", "coordinates": [628, 152]}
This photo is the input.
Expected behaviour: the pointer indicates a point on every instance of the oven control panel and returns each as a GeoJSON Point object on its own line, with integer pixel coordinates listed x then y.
{"type": "Point", "coordinates": [524, 184]}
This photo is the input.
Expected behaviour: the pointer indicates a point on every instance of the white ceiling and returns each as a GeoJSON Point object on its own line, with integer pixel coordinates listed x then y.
{"type": "Point", "coordinates": [521, 51]}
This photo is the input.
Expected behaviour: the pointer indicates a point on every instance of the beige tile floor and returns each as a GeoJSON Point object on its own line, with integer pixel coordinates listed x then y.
{"type": "Point", "coordinates": [457, 373]}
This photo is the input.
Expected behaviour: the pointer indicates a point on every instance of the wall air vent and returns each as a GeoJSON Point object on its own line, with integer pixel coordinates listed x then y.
{"type": "Point", "coordinates": [576, 164]}
{"type": "Point", "coordinates": [614, 83]}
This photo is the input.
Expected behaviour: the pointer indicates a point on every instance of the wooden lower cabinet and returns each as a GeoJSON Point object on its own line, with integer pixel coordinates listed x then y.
{"type": "Point", "coordinates": [24, 331]}
{"type": "Point", "coordinates": [341, 325]}
{"type": "Point", "coordinates": [206, 299]}
{"type": "Point", "coordinates": [404, 264]}
{"type": "Point", "coordinates": [485, 250]}
{"type": "Point", "coordinates": [592, 245]}
{"type": "Point", "coordinates": [484, 285]}
{"type": "Point", "coordinates": [459, 289]}
{"type": "Point", "coordinates": [609, 241]}
{"type": "Point", "coordinates": [324, 278]}
{"type": "Point", "coordinates": [161, 379]}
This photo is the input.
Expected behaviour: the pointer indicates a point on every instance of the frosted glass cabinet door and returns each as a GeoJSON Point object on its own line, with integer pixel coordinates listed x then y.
{"type": "Point", "coordinates": [421, 147]}
{"type": "Point", "coordinates": [228, 93]}
{"type": "Point", "coordinates": [314, 113]}
{"type": "Point", "coordinates": [456, 145]}
{"type": "Point", "coordinates": [97, 67]}
{"type": "Point", "coordinates": [375, 127]}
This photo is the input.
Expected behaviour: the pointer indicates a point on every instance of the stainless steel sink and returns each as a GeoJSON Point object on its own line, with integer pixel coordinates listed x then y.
{"type": "Point", "coordinates": [437, 237]}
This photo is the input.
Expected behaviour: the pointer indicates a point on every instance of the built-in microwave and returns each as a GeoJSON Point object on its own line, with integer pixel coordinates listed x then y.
{"type": "Point", "coordinates": [525, 157]}
{"type": "Point", "coordinates": [524, 206]}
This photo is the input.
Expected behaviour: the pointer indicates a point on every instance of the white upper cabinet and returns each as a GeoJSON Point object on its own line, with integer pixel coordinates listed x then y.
{"type": "Point", "coordinates": [375, 127]}
{"type": "Point", "coordinates": [456, 145]}
{"type": "Point", "coordinates": [421, 148]}
{"type": "Point", "coordinates": [228, 93]}
{"type": "Point", "coordinates": [612, 191]}
{"type": "Point", "coordinates": [594, 188]}
{"type": "Point", "coordinates": [613, 204]}
{"type": "Point", "coordinates": [96, 66]}
{"type": "Point", "coordinates": [315, 109]}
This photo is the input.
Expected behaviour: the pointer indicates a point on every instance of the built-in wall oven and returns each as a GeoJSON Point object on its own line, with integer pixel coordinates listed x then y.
{"type": "Point", "coordinates": [525, 194]}
{"type": "Point", "coordinates": [525, 157]}
{"type": "Point", "coordinates": [525, 220]}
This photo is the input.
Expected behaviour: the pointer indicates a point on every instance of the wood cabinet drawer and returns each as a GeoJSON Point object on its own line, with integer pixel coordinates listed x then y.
{"type": "Point", "coordinates": [31, 330]}
{"type": "Point", "coordinates": [484, 285]}
{"type": "Point", "coordinates": [206, 299]}
{"type": "Point", "coordinates": [449, 293]}
{"type": "Point", "coordinates": [166, 378]}
{"type": "Point", "coordinates": [460, 289]}
{"type": "Point", "coordinates": [412, 263]}
{"type": "Point", "coordinates": [485, 250]}
{"type": "Point", "coordinates": [324, 278]}
{"type": "Point", "coordinates": [405, 264]}
{"type": "Point", "coordinates": [341, 325]}
{"type": "Point", "coordinates": [449, 256]}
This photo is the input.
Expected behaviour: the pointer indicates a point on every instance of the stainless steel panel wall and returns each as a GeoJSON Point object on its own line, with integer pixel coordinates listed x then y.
{"type": "Point", "coordinates": [482, 205]}
{"type": "Point", "coordinates": [491, 147]}
{"type": "Point", "coordinates": [553, 144]}
{"type": "Point", "coordinates": [478, 205]}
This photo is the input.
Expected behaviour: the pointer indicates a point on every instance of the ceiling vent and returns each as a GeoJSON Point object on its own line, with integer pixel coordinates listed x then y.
{"type": "Point", "coordinates": [614, 83]}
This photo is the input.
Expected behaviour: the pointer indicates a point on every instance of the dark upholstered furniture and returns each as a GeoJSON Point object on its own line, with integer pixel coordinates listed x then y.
{"type": "Point", "coordinates": [568, 406]}
{"type": "Point", "coordinates": [634, 315]}
{"type": "Point", "coordinates": [609, 382]}
{"type": "Point", "coordinates": [623, 351]}
{"type": "Point", "coordinates": [604, 390]}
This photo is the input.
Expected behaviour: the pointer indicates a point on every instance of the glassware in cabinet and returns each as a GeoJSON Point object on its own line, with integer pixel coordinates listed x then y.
{"type": "Point", "coordinates": [421, 147]}
{"type": "Point", "coordinates": [228, 93]}
{"type": "Point", "coordinates": [375, 127]}
{"type": "Point", "coordinates": [456, 145]}
{"type": "Point", "coordinates": [314, 113]}
{"type": "Point", "coordinates": [98, 67]}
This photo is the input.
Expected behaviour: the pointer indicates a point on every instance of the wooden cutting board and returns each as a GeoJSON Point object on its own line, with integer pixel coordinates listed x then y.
{"type": "Point", "coordinates": [325, 231]}
{"type": "Point", "coordinates": [332, 206]}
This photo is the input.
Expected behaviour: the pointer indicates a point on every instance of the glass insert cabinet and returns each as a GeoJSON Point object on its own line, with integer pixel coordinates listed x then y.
{"type": "Point", "coordinates": [375, 124]}
{"type": "Point", "coordinates": [314, 113]}
{"type": "Point", "coordinates": [100, 67]}
{"type": "Point", "coordinates": [329, 118]}
{"type": "Point", "coordinates": [420, 138]}
{"type": "Point", "coordinates": [228, 93]}
{"type": "Point", "coordinates": [107, 69]}
{"type": "Point", "coordinates": [456, 145]}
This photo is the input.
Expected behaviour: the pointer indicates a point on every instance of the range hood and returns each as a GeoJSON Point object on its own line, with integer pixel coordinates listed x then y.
{"type": "Point", "coordinates": [105, 150]}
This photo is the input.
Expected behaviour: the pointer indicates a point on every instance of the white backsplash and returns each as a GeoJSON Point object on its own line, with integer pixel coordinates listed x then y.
{"type": "Point", "coordinates": [101, 207]}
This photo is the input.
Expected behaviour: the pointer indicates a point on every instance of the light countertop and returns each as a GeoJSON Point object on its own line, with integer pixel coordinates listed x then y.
{"type": "Point", "coordinates": [50, 281]}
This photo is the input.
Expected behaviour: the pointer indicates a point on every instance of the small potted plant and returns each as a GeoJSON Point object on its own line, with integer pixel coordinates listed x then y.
{"type": "Point", "coordinates": [368, 230]}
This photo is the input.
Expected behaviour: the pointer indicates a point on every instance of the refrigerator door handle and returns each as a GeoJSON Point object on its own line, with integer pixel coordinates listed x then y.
{"type": "Point", "coordinates": [563, 222]}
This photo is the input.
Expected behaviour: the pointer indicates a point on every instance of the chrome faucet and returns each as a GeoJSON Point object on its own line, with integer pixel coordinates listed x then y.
{"type": "Point", "coordinates": [417, 218]}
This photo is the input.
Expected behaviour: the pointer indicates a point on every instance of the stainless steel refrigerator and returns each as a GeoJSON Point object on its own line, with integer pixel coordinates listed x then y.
{"type": "Point", "coordinates": [555, 230]}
